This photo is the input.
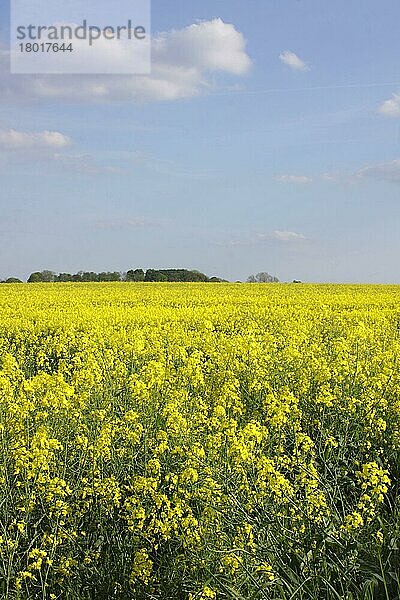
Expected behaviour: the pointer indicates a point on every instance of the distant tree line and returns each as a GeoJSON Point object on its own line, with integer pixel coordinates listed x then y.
{"type": "Point", "coordinates": [11, 280]}
{"type": "Point", "coordinates": [262, 278]}
{"type": "Point", "coordinates": [138, 275]}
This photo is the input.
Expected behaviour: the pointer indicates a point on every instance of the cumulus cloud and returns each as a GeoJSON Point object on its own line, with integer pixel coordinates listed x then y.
{"type": "Point", "coordinates": [293, 61]}
{"type": "Point", "coordinates": [48, 147]}
{"type": "Point", "coordinates": [11, 140]}
{"type": "Point", "coordinates": [391, 107]}
{"type": "Point", "coordinates": [182, 63]}
{"type": "Point", "coordinates": [294, 179]}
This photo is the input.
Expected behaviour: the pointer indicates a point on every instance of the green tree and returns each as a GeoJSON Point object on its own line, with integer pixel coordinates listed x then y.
{"type": "Point", "coordinates": [262, 278]}
{"type": "Point", "coordinates": [175, 275]}
{"type": "Point", "coordinates": [63, 277]}
{"type": "Point", "coordinates": [89, 276]}
{"type": "Point", "coordinates": [153, 275]}
{"type": "Point", "coordinates": [35, 277]}
{"type": "Point", "coordinates": [107, 276]}
{"type": "Point", "coordinates": [48, 276]}
{"type": "Point", "coordinates": [135, 275]}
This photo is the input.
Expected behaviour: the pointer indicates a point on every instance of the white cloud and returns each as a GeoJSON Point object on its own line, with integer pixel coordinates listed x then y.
{"type": "Point", "coordinates": [386, 171]}
{"type": "Point", "coordinates": [294, 179]}
{"type": "Point", "coordinates": [85, 164]}
{"type": "Point", "coordinates": [391, 108]}
{"type": "Point", "coordinates": [331, 177]}
{"type": "Point", "coordinates": [271, 237]}
{"type": "Point", "coordinates": [389, 171]}
{"type": "Point", "coordinates": [169, 168]}
{"type": "Point", "coordinates": [340, 178]}
{"type": "Point", "coordinates": [181, 66]}
{"type": "Point", "coordinates": [293, 61]}
{"type": "Point", "coordinates": [48, 147]}
{"type": "Point", "coordinates": [288, 236]}
{"type": "Point", "coordinates": [208, 45]}
{"type": "Point", "coordinates": [281, 236]}
{"type": "Point", "coordinates": [11, 140]}
{"type": "Point", "coordinates": [129, 223]}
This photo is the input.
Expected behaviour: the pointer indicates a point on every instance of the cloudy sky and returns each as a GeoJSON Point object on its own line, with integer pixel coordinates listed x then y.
{"type": "Point", "coordinates": [266, 138]}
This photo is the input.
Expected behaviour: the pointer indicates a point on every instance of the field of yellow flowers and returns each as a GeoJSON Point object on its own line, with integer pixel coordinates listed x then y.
{"type": "Point", "coordinates": [199, 441]}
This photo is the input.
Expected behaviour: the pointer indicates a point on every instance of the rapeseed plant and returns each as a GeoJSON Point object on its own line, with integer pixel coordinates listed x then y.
{"type": "Point", "coordinates": [199, 442]}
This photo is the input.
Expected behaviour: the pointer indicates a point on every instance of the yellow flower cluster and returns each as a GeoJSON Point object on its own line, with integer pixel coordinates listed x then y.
{"type": "Point", "coordinates": [197, 441]}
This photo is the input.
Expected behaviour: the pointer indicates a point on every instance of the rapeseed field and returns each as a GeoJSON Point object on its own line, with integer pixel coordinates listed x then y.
{"type": "Point", "coordinates": [199, 441]}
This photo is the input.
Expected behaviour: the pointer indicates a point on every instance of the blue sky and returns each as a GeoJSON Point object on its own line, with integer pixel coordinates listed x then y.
{"type": "Point", "coordinates": [266, 138]}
